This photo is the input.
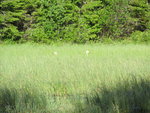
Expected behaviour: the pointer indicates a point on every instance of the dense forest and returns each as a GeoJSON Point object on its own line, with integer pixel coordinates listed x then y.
{"type": "Point", "coordinates": [77, 21]}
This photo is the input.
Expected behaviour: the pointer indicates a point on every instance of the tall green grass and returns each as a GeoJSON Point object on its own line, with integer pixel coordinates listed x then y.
{"type": "Point", "coordinates": [110, 79]}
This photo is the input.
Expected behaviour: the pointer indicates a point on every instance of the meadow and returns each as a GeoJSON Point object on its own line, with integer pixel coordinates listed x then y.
{"type": "Point", "coordinates": [75, 78]}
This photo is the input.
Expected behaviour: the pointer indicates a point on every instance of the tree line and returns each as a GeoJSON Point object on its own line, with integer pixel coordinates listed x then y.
{"type": "Point", "coordinates": [77, 21]}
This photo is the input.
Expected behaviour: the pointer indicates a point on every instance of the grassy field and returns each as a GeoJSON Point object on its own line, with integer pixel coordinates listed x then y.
{"type": "Point", "coordinates": [74, 79]}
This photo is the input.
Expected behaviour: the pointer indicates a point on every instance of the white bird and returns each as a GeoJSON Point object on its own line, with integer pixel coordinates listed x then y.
{"type": "Point", "coordinates": [87, 52]}
{"type": "Point", "coordinates": [55, 53]}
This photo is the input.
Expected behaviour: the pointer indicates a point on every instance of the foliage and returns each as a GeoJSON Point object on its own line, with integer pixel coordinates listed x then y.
{"type": "Point", "coordinates": [76, 21]}
{"type": "Point", "coordinates": [139, 36]}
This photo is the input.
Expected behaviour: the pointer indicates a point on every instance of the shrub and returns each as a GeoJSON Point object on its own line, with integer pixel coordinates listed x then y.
{"type": "Point", "coordinates": [139, 36]}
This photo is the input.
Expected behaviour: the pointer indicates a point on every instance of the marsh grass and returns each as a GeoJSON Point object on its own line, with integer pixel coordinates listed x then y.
{"type": "Point", "coordinates": [128, 96]}
{"type": "Point", "coordinates": [110, 79]}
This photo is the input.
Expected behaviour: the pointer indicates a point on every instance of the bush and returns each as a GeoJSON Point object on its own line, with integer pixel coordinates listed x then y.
{"type": "Point", "coordinates": [139, 36]}
{"type": "Point", "coordinates": [75, 21]}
